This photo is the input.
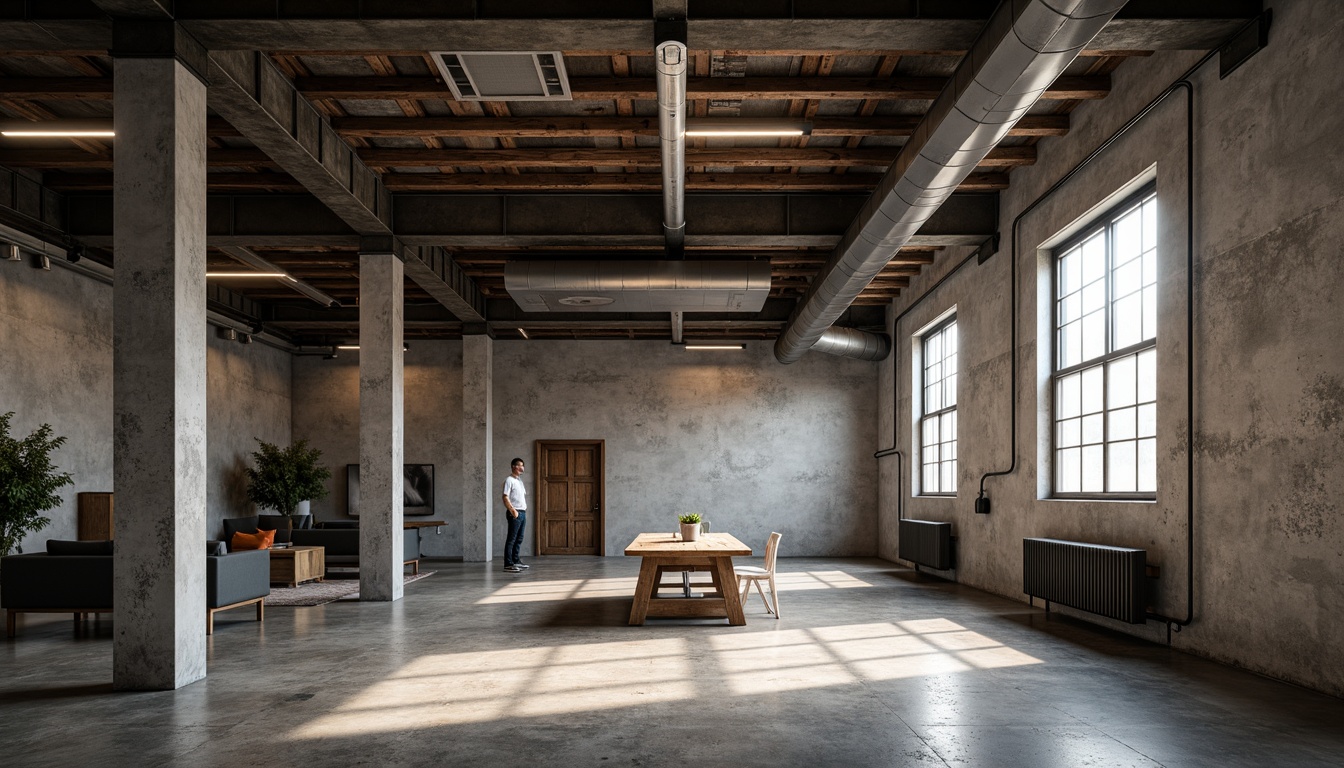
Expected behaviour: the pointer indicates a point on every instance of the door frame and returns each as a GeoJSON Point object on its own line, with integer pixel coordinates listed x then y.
{"type": "Point", "coordinates": [601, 532]}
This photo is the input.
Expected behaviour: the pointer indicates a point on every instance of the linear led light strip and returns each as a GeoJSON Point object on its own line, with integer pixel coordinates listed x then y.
{"type": "Point", "coordinates": [74, 129]}
{"type": "Point", "coordinates": [58, 134]}
{"type": "Point", "coordinates": [715, 346]}
{"type": "Point", "coordinates": [746, 128]}
{"type": "Point", "coordinates": [280, 275]}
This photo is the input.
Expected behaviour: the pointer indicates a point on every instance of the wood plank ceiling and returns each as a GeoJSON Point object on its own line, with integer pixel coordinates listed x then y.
{"type": "Point", "coordinates": [404, 123]}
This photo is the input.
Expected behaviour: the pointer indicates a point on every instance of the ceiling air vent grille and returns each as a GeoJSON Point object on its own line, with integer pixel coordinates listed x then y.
{"type": "Point", "coordinates": [504, 75]}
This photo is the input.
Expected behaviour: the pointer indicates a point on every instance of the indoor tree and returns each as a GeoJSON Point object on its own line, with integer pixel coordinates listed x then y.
{"type": "Point", "coordinates": [28, 483]}
{"type": "Point", "coordinates": [284, 477]}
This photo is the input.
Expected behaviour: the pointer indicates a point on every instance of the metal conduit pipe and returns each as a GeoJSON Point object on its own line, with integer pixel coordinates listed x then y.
{"type": "Point", "coordinates": [1023, 48]}
{"type": "Point", "coordinates": [670, 63]}
{"type": "Point", "coordinates": [851, 342]}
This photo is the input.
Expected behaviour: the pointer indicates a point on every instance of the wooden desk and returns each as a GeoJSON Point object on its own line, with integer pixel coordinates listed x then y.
{"type": "Point", "coordinates": [664, 552]}
{"type": "Point", "coordinates": [422, 523]}
{"type": "Point", "coordinates": [294, 565]}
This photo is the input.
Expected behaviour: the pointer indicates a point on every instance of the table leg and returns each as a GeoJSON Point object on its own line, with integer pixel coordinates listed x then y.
{"type": "Point", "coordinates": [648, 580]}
{"type": "Point", "coordinates": [723, 569]}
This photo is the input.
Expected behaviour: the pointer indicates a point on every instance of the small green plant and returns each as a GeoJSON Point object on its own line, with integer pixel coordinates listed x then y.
{"type": "Point", "coordinates": [284, 477]}
{"type": "Point", "coordinates": [28, 483]}
{"type": "Point", "coordinates": [691, 518]}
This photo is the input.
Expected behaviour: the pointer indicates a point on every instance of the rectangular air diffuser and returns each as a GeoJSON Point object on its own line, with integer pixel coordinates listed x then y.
{"type": "Point", "coordinates": [504, 75]}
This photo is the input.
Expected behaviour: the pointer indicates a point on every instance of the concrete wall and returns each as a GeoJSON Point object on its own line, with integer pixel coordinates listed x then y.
{"type": "Point", "coordinates": [56, 368]}
{"type": "Point", "coordinates": [326, 413]}
{"type": "Point", "coordinates": [754, 445]}
{"type": "Point", "coordinates": [1269, 376]}
{"type": "Point", "coordinates": [247, 396]}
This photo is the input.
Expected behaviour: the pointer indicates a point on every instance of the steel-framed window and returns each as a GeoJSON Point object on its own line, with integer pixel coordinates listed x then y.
{"type": "Point", "coordinates": [938, 425]}
{"type": "Point", "coordinates": [1105, 372]}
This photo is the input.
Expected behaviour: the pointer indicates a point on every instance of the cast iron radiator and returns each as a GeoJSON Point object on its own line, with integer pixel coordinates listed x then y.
{"type": "Point", "coordinates": [926, 543]}
{"type": "Point", "coordinates": [1108, 581]}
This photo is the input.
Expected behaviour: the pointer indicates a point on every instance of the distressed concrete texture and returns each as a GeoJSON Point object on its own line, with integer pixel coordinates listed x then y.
{"type": "Point", "coordinates": [159, 376]}
{"type": "Point", "coordinates": [56, 368]}
{"type": "Point", "coordinates": [248, 398]}
{"type": "Point", "coordinates": [477, 431]}
{"type": "Point", "coordinates": [325, 411]}
{"type": "Point", "coordinates": [752, 445]}
{"type": "Point", "coordinates": [1269, 377]}
{"type": "Point", "coordinates": [381, 426]}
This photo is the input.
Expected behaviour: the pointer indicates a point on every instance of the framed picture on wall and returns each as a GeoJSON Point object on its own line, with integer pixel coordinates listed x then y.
{"type": "Point", "coordinates": [417, 489]}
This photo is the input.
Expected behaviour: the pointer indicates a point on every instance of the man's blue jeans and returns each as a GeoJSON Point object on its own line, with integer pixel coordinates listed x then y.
{"type": "Point", "coordinates": [514, 541]}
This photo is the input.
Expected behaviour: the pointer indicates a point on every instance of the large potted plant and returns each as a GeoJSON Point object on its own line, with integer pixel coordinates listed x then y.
{"type": "Point", "coordinates": [28, 483]}
{"type": "Point", "coordinates": [284, 478]}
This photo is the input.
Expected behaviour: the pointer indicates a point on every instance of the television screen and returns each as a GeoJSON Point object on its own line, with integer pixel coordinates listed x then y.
{"type": "Point", "coordinates": [417, 489]}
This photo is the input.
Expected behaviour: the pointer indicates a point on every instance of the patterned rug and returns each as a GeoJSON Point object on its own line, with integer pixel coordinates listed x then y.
{"type": "Point", "coordinates": [322, 592]}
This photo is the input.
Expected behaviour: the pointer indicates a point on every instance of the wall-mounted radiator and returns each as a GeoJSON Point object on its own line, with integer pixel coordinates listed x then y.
{"type": "Point", "coordinates": [926, 543]}
{"type": "Point", "coordinates": [1109, 581]}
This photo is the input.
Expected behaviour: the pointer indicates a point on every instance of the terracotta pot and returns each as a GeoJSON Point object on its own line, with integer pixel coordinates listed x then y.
{"type": "Point", "coordinates": [690, 531]}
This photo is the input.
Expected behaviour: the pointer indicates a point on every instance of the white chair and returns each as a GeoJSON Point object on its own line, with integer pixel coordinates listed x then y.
{"type": "Point", "coordinates": [749, 574]}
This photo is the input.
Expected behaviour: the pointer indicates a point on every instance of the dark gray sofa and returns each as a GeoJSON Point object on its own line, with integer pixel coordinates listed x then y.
{"type": "Point", "coordinates": [341, 545]}
{"type": "Point", "coordinates": [235, 579]}
{"type": "Point", "coordinates": [76, 577]}
{"type": "Point", "coordinates": [70, 577]}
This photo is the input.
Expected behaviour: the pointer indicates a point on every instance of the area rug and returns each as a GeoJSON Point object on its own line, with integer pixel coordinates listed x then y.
{"type": "Point", "coordinates": [322, 592]}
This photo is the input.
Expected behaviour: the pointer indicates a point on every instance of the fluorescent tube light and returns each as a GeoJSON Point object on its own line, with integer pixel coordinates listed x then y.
{"type": "Point", "coordinates": [58, 134]}
{"type": "Point", "coordinates": [52, 129]}
{"type": "Point", "coordinates": [247, 274]}
{"type": "Point", "coordinates": [747, 128]}
{"type": "Point", "coordinates": [715, 346]}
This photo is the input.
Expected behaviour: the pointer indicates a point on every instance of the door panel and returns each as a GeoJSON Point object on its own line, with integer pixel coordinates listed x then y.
{"type": "Point", "coordinates": [570, 518]}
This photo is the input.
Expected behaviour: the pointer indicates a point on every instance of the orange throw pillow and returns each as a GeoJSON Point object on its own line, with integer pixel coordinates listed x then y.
{"type": "Point", "coordinates": [259, 540]}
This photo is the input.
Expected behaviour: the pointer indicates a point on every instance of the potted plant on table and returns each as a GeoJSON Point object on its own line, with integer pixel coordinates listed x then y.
{"type": "Point", "coordinates": [690, 526]}
{"type": "Point", "coordinates": [286, 479]}
{"type": "Point", "coordinates": [28, 483]}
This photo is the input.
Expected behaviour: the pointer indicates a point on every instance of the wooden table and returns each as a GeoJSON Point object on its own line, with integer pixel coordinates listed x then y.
{"type": "Point", "coordinates": [663, 552]}
{"type": "Point", "coordinates": [295, 565]}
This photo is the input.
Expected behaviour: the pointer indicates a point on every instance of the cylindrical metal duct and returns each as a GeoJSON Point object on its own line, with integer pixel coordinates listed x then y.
{"type": "Point", "coordinates": [851, 342]}
{"type": "Point", "coordinates": [670, 60]}
{"type": "Point", "coordinates": [1025, 46]}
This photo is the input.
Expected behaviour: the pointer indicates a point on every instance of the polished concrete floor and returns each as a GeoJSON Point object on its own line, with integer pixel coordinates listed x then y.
{"type": "Point", "coordinates": [871, 665]}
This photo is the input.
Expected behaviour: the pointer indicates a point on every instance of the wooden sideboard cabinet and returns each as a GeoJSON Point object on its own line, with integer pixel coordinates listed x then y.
{"type": "Point", "coordinates": [95, 516]}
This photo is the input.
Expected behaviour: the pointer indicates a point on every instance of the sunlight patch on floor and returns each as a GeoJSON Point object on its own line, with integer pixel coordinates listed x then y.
{"type": "Point", "coordinates": [569, 589]}
{"type": "Point", "coordinates": [457, 688]}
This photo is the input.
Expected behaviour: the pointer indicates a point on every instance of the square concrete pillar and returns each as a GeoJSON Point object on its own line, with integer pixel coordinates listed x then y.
{"type": "Point", "coordinates": [158, 362]}
{"type": "Point", "coordinates": [381, 425]}
{"type": "Point", "coordinates": [479, 495]}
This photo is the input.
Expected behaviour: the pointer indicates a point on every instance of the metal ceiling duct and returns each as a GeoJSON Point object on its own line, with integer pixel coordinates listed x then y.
{"type": "Point", "coordinates": [670, 64]}
{"type": "Point", "coordinates": [1024, 47]}
{"type": "Point", "coordinates": [851, 342]}
{"type": "Point", "coordinates": [638, 286]}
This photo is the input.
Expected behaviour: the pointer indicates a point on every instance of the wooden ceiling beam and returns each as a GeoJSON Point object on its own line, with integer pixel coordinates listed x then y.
{"type": "Point", "coordinates": [591, 127]}
{"type": "Point", "coordinates": [740, 157]}
{"type": "Point", "coordinates": [632, 182]}
{"type": "Point", "coordinates": [614, 88]}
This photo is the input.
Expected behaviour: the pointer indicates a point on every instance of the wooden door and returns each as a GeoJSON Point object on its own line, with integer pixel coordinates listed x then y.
{"type": "Point", "coordinates": [570, 519]}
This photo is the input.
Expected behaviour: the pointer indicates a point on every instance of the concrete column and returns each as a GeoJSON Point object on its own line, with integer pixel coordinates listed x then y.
{"type": "Point", "coordinates": [159, 338]}
{"type": "Point", "coordinates": [381, 425]}
{"type": "Point", "coordinates": [479, 495]}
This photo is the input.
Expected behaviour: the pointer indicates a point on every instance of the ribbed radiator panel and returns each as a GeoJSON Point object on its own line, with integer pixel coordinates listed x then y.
{"type": "Point", "coordinates": [926, 543]}
{"type": "Point", "coordinates": [1108, 581]}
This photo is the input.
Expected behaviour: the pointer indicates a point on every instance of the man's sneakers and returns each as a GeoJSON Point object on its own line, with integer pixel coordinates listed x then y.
{"type": "Point", "coordinates": [520, 565]}
{"type": "Point", "coordinates": [513, 569]}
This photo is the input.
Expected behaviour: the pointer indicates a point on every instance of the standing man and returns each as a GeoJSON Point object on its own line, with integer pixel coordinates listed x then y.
{"type": "Point", "coordinates": [515, 501]}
